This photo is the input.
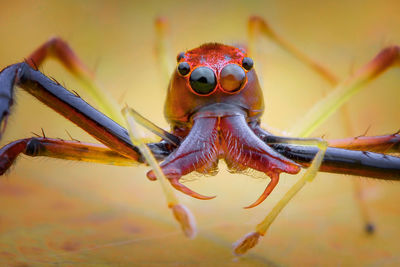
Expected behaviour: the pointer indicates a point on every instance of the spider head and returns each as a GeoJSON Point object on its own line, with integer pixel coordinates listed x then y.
{"type": "Point", "coordinates": [213, 74]}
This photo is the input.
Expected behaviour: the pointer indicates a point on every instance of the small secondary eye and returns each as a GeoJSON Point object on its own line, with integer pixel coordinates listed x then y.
{"type": "Point", "coordinates": [232, 78]}
{"type": "Point", "coordinates": [247, 63]}
{"type": "Point", "coordinates": [180, 56]}
{"type": "Point", "coordinates": [183, 68]}
{"type": "Point", "coordinates": [203, 81]}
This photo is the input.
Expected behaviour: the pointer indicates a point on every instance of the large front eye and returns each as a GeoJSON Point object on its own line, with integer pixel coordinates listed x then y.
{"type": "Point", "coordinates": [203, 81]}
{"type": "Point", "coordinates": [232, 78]}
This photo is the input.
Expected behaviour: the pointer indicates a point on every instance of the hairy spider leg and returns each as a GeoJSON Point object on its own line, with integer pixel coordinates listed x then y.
{"type": "Point", "coordinates": [79, 112]}
{"type": "Point", "coordinates": [60, 50]}
{"type": "Point", "coordinates": [340, 160]}
{"type": "Point", "coordinates": [389, 144]}
{"type": "Point", "coordinates": [257, 26]}
{"type": "Point", "coordinates": [387, 58]}
{"type": "Point", "coordinates": [319, 113]}
{"type": "Point", "coordinates": [386, 143]}
{"type": "Point", "coordinates": [69, 105]}
{"type": "Point", "coordinates": [62, 149]}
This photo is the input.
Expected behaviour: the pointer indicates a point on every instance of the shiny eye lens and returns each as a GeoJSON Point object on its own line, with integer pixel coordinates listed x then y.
{"type": "Point", "coordinates": [183, 68]}
{"type": "Point", "coordinates": [232, 78]}
{"type": "Point", "coordinates": [180, 56]}
{"type": "Point", "coordinates": [247, 63]}
{"type": "Point", "coordinates": [202, 80]}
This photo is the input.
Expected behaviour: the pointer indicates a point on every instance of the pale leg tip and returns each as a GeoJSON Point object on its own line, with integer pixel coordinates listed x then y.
{"type": "Point", "coordinates": [247, 242]}
{"type": "Point", "coordinates": [186, 220]}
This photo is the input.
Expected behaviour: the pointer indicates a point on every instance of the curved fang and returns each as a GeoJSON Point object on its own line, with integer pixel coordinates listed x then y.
{"type": "Point", "coordinates": [244, 149]}
{"type": "Point", "coordinates": [186, 190]}
{"type": "Point", "coordinates": [197, 152]}
{"type": "Point", "coordinates": [274, 181]}
{"type": "Point", "coordinates": [180, 187]}
{"type": "Point", "coordinates": [230, 138]}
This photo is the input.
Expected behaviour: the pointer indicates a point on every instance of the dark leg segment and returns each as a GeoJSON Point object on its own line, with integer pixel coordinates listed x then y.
{"type": "Point", "coordinates": [67, 104]}
{"type": "Point", "coordinates": [62, 149]}
{"type": "Point", "coordinates": [338, 160]}
{"type": "Point", "coordinates": [344, 161]}
{"type": "Point", "coordinates": [384, 143]}
{"type": "Point", "coordinates": [61, 51]}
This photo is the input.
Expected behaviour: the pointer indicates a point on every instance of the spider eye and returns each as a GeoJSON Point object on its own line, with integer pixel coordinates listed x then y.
{"type": "Point", "coordinates": [203, 81]}
{"type": "Point", "coordinates": [232, 78]}
{"type": "Point", "coordinates": [247, 63]}
{"type": "Point", "coordinates": [183, 68]}
{"type": "Point", "coordinates": [180, 56]}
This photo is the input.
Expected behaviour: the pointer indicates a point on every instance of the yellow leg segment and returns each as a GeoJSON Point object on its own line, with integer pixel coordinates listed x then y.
{"type": "Point", "coordinates": [323, 109]}
{"type": "Point", "coordinates": [258, 26]}
{"type": "Point", "coordinates": [252, 238]}
{"type": "Point", "coordinates": [162, 49]}
{"type": "Point", "coordinates": [181, 213]}
{"type": "Point", "coordinates": [171, 138]}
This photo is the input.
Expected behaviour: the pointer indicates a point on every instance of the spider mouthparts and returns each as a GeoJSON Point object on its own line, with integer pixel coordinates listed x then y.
{"type": "Point", "coordinates": [184, 189]}
{"type": "Point", "coordinates": [274, 181]}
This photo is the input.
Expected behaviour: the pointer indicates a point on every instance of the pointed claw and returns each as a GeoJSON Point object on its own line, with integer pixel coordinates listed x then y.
{"type": "Point", "coordinates": [180, 187]}
{"type": "Point", "coordinates": [274, 181]}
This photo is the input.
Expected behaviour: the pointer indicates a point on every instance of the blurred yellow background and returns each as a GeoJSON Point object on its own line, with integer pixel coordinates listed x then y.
{"type": "Point", "coordinates": [66, 213]}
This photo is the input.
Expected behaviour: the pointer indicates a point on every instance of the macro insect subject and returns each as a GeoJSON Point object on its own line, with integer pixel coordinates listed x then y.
{"type": "Point", "coordinates": [214, 105]}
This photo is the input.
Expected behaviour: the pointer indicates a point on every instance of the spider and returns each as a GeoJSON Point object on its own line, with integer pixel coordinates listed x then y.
{"type": "Point", "coordinates": [214, 104]}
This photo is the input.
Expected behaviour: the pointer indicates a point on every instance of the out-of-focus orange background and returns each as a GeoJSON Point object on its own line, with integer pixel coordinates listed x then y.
{"type": "Point", "coordinates": [69, 213]}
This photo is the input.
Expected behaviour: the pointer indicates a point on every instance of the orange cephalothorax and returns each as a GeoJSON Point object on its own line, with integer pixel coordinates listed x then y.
{"type": "Point", "coordinates": [213, 99]}
{"type": "Point", "coordinates": [212, 74]}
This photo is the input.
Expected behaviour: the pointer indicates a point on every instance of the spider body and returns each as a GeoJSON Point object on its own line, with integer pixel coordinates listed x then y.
{"type": "Point", "coordinates": [214, 104]}
{"type": "Point", "coordinates": [211, 105]}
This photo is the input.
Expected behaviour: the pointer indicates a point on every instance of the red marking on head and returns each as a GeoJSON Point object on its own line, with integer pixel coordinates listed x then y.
{"type": "Point", "coordinates": [214, 55]}
{"type": "Point", "coordinates": [234, 85]}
